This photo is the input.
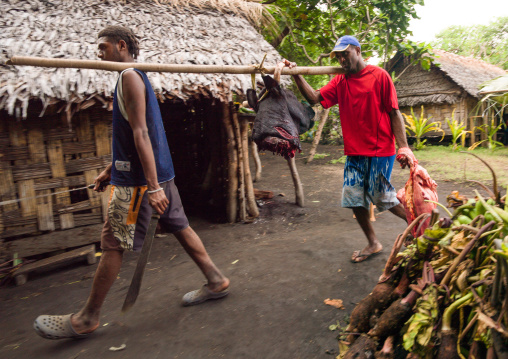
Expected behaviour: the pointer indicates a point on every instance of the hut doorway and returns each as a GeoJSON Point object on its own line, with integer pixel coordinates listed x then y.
{"type": "Point", "coordinates": [196, 141]}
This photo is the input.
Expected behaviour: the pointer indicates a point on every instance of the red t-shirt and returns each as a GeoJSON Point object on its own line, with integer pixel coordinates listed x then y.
{"type": "Point", "coordinates": [365, 100]}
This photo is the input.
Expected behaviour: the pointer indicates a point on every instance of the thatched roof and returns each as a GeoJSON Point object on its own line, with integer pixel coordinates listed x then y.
{"type": "Point", "coordinates": [457, 76]}
{"type": "Point", "coordinates": [209, 32]}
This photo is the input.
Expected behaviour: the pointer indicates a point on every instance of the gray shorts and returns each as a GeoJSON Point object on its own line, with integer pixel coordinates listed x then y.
{"type": "Point", "coordinates": [129, 215]}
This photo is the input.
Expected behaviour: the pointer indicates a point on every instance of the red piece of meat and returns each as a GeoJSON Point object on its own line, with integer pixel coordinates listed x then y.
{"type": "Point", "coordinates": [418, 188]}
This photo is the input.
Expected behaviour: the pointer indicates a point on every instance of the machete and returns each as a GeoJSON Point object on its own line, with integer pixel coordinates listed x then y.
{"type": "Point", "coordinates": [132, 293]}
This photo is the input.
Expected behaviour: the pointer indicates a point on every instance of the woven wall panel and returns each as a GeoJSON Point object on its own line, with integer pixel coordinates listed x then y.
{"type": "Point", "coordinates": [42, 156]}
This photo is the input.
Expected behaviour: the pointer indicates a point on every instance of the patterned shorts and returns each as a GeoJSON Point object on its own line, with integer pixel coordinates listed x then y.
{"type": "Point", "coordinates": [129, 215]}
{"type": "Point", "coordinates": [367, 180]}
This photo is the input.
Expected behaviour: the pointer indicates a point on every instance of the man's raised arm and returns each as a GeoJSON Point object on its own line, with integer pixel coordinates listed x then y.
{"type": "Point", "coordinates": [313, 96]}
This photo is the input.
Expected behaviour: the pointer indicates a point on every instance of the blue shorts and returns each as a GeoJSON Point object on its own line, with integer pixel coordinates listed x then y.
{"type": "Point", "coordinates": [367, 180]}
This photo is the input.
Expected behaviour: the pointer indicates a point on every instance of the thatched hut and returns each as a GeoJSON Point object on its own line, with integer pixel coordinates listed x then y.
{"type": "Point", "coordinates": [453, 85]}
{"type": "Point", "coordinates": [55, 124]}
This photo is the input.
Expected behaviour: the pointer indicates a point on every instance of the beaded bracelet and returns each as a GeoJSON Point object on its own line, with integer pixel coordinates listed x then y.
{"type": "Point", "coordinates": [155, 190]}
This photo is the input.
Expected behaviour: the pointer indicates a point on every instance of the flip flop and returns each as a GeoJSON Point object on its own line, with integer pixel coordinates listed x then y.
{"type": "Point", "coordinates": [201, 295]}
{"type": "Point", "coordinates": [56, 327]}
{"type": "Point", "coordinates": [362, 257]}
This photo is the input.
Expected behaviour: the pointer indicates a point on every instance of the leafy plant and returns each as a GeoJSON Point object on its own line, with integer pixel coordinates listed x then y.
{"type": "Point", "coordinates": [458, 131]}
{"type": "Point", "coordinates": [490, 129]}
{"type": "Point", "coordinates": [319, 156]}
{"type": "Point", "coordinates": [420, 126]}
{"type": "Point", "coordinates": [305, 31]}
{"type": "Point", "coordinates": [309, 135]}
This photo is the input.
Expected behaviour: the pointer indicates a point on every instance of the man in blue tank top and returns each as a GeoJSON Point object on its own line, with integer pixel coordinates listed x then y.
{"type": "Point", "coordinates": [142, 179]}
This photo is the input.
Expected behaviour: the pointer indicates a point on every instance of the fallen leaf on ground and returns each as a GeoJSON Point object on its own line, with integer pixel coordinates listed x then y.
{"type": "Point", "coordinates": [115, 349]}
{"type": "Point", "coordinates": [337, 303]}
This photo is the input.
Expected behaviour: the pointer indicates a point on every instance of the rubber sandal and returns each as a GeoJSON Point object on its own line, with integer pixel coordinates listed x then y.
{"type": "Point", "coordinates": [201, 295]}
{"type": "Point", "coordinates": [358, 257]}
{"type": "Point", "coordinates": [56, 327]}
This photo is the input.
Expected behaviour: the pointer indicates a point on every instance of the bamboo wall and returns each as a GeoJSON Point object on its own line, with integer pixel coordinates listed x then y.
{"type": "Point", "coordinates": [44, 155]}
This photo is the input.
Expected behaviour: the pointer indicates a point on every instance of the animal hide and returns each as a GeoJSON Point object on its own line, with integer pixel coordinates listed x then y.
{"type": "Point", "coordinates": [280, 119]}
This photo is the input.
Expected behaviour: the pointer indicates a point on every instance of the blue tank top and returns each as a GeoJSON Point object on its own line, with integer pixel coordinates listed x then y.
{"type": "Point", "coordinates": [127, 169]}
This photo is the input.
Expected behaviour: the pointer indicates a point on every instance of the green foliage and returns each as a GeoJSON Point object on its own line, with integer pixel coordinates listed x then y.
{"type": "Point", "coordinates": [309, 135]}
{"type": "Point", "coordinates": [484, 42]}
{"type": "Point", "coordinates": [418, 332]}
{"type": "Point", "coordinates": [420, 126]}
{"type": "Point", "coordinates": [319, 156]}
{"type": "Point", "coordinates": [490, 129]}
{"type": "Point", "coordinates": [458, 131]}
{"type": "Point", "coordinates": [339, 160]}
{"type": "Point", "coordinates": [332, 132]}
{"type": "Point", "coordinates": [307, 30]}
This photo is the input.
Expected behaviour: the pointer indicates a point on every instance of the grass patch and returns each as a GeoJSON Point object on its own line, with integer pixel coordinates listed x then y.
{"type": "Point", "coordinates": [319, 156]}
{"type": "Point", "coordinates": [444, 164]}
{"type": "Point", "coordinates": [338, 160]}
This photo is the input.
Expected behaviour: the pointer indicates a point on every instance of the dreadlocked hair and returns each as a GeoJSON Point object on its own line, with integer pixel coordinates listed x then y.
{"type": "Point", "coordinates": [117, 33]}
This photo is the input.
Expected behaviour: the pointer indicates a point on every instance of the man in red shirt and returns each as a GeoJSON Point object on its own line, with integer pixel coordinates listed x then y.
{"type": "Point", "coordinates": [371, 124]}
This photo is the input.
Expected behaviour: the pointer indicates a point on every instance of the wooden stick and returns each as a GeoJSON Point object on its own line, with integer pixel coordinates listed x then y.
{"type": "Point", "coordinates": [296, 181]}
{"type": "Point", "coordinates": [251, 199]}
{"type": "Point", "coordinates": [174, 68]}
{"type": "Point", "coordinates": [241, 176]}
{"type": "Point", "coordinates": [232, 184]}
{"type": "Point", "coordinates": [257, 161]}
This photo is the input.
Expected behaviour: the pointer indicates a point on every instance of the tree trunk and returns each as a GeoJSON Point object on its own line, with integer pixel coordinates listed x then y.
{"type": "Point", "coordinates": [323, 116]}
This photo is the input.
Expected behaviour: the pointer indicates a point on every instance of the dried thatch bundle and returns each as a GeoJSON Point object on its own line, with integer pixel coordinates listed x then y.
{"type": "Point", "coordinates": [208, 32]}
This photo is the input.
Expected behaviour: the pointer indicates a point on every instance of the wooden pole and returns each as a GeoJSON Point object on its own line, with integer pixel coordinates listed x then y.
{"type": "Point", "coordinates": [232, 184]}
{"type": "Point", "coordinates": [257, 161]}
{"type": "Point", "coordinates": [174, 68]}
{"type": "Point", "coordinates": [249, 188]}
{"type": "Point", "coordinates": [241, 176]}
{"type": "Point", "coordinates": [297, 182]}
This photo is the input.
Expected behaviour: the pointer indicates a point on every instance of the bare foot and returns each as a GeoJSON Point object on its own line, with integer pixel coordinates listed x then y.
{"type": "Point", "coordinates": [360, 256]}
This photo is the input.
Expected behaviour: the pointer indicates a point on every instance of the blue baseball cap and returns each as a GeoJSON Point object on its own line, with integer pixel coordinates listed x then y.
{"type": "Point", "coordinates": [343, 43]}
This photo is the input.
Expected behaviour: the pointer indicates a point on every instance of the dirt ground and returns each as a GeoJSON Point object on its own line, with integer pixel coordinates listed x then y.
{"type": "Point", "coordinates": [282, 267]}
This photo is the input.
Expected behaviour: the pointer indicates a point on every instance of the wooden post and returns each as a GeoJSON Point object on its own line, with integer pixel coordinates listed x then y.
{"type": "Point", "coordinates": [485, 119]}
{"type": "Point", "coordinates": [241, 176]}
{"type": "Point", "coordinates": [257, 161]}
{"type": "Point", "coordinates": [232, 178]}
{"type": "Point", "coordinates": [297, 182]}
{"type": "Point", "coordinates": [323, 116]}
{"type": "Point", "coordinates": [249, 188]}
